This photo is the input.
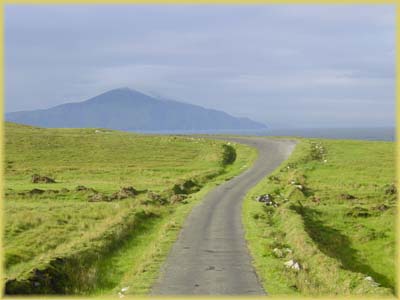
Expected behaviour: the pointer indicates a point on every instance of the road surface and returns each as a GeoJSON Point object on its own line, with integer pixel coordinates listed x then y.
{"type": "Point", "coordinates": [210, 256]}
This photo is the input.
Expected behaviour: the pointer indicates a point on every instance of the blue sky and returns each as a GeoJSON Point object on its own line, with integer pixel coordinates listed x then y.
{"type": "Point", "coordinates": [284, 65]}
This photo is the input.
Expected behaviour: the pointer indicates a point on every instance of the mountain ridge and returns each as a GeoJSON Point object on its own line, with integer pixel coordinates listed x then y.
{"type": "Point", "coordinates": [131, 110]}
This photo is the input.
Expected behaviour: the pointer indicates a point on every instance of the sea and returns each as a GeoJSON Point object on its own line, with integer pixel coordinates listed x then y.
{"type": "Point", "coordinates": [371, 134]}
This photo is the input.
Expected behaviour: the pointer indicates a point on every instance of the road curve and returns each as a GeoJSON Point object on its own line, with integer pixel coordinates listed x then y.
{"type": "Point", "coordinates": [210, 256]}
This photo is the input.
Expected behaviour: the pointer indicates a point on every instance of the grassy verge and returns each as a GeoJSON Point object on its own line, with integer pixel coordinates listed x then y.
{"type": "Point", "coordinates": [142, 272]}
{"type": "Point", "coordinates": [335, 217]}
{"type": "Point", "coordinates": [85, 233]}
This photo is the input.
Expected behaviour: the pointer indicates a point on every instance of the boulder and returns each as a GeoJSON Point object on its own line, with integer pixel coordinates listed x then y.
{"type": "Point", "coordinates": [371, 281]}
{"type": "Point", "coordinates": [264, 198]}
{"type": "Point", "coordinates": [292, 264]}
{"type": "Point", "coordinates": [267, 199]}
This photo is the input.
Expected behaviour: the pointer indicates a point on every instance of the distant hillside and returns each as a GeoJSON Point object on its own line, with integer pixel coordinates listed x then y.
{"type": "Point", "coordinates": [127, 109]}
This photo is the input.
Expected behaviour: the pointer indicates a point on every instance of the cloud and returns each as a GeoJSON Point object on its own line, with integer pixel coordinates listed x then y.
{"type": "Point", "coordinates": [279, 64]}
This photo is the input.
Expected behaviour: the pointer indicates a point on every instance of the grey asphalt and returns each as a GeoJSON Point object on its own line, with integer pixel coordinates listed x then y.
{"type": "Point", "coordinates": [210, 256]}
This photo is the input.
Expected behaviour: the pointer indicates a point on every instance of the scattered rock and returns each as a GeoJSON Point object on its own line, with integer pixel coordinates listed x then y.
{"type": "Point", "coordinates": [177, 198]}
{"type": "Point", "coordinates": [391, 189]}
{"type": "Point", "coordinates": [98, 197]}
{"type": "Point", "coordinates": [153, 199]}
{"type": "Point", "coordinates": [36, 192]}
{"type": "Point", "coordinates": [264, 198]}
{"type": "Point", "coordinates": [346, 196]}
{"type": "Point", "coordinates": [299, 186]}
{"type": "Point", "coordinates": [36, 178]}
{"type": "Point", "coordinates": [371, 281]}
{"type": "Point", "coordinates": [316, 199]}
{"type": "Point", "coordinates": [154, 196]}
{"type": "Point", "coordinates": [82, 188]}
{"type": "Point", "coordinates": [287, 250]}
{"type": "Point", "coordinates": [121, 294]}
{"type": "Point", "coordinates": [274, 178]}
{"type": "Point", "coordinates": [292, 264]}
{"type": "Point", "coordinates": [117, 196]}
{"type": "Point", "coordinates": [185, 187]}
{"type": "Point", "coordinates": [52, 191]}
{"type": "Point", "coordinates": [267, 199]}
{"type": "Point", "coordinates": [359, 211]}
{"type": "Point", "coordinates": [129, 191]}
{"type": "Point", "coordinates": [382, 207]}
{"type": "Point", "coordinates": [296, 266]}
{"type": "Point", "coordinates": [125, 192]}
{"type": "Point", "coordinates": [278, 252]}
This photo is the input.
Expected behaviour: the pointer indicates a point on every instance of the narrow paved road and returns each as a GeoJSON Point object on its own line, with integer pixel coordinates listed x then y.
{"type": "Point", "coordinates": [210, 256]}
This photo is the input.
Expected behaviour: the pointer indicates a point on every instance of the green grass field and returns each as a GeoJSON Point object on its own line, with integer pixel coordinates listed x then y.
{"type": "Point", "coordinates": [336, 218]}
{"type": "Point", "coordinates": [336, 213]}
{"type": "Point", "coordinates": [57, 241]}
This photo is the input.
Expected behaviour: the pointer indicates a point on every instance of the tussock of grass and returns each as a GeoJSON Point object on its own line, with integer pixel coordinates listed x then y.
{"type": "Point", "coordinates": [336, 215]}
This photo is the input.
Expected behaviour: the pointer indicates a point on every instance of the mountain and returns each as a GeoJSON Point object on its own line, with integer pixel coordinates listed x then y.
{"type": "Point", "coordinates": [127, 109]}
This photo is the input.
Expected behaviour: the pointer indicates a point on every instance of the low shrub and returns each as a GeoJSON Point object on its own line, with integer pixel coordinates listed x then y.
{"type": "Point", "coordinates": [228, 154]}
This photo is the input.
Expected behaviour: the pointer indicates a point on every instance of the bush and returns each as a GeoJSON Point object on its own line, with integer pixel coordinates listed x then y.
{"type": "Point", "coordinates": [317, 151]}
{"type": "Point", "coordinates": [228, 154]}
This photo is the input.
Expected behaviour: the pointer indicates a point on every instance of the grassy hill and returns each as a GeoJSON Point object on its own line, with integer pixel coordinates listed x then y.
{"type": "Point", "coordinates": [115, 207]}
{"type": "Point", "coordinates": [335, 217]}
